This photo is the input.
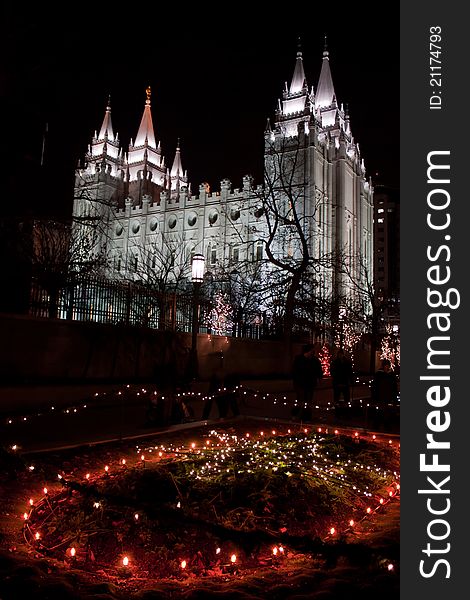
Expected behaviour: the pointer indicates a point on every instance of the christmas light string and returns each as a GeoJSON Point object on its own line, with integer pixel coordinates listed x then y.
{"type": "Point", "coordinates": [244, 393]}
{"type": "Point", "coordinates": [218, 447]}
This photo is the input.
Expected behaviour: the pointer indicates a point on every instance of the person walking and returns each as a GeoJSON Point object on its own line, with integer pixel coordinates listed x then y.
{"type": "Point", "coordinates": [384, 395]}
{"type": "Point", "coordinates": [342, 374]}
{"type": "Point", "coordinates": [306, 372]}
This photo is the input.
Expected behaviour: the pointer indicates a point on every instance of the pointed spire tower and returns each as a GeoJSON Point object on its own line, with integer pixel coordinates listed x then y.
{"type": "Point", "coordinates": [178, 177]}
{"type": "Point", "coordinates": [295, 105]}
{"type": "Point", "coordinates": [104, 148]}
{"type": "Point", "coordinates": [99, 184]}
{"type": "Point", "coordinates": [325, 95]}
{"type": "Point", "coordinates": [106, 130]}
{"type": "Point", "coordinates": [326, 105]}
{"type": "Point", "coordinates": [298, 79]}
{"type": "Point", "coordinates": [144, 158]}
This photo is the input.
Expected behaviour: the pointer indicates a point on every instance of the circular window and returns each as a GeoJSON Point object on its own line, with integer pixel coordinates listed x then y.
{"type": "Point", "coordinates": [192, 218]}
{"type": "Point", "coordinates": [135, 226]}
{"type": "Point", "coordinates": [172, 222]}
{"type": "Point", "coordinates": [213, 216]}
{"type": "Point", "coordinates": [153, 224]}
{"type": "Point", "coordinates": [119, 229]}
{"type": "Point", "coordinates": [234, 214]}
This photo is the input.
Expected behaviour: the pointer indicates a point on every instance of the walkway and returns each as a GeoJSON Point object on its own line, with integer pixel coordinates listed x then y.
{"type": "Point", "coordinates": [52, 417]}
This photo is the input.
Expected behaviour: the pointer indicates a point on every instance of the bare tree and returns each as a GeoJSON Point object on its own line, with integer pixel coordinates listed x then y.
{"type": "Point", "coordinates": [60, 254]}
{"type": "Point", "coordinates": [314, 310]}
{"type": "Point", "coordinates": [289, 215]}
{"type": "Point", "coordinates": [364, 306]}
{"type": "Point", "coordinates": [244, 285]}
{"type": "Point", "coordinates": [162, 269]}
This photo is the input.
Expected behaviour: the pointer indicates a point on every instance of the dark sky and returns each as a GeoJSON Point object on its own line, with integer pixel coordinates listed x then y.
{"type": "Point", "coordinates": [215, 79]}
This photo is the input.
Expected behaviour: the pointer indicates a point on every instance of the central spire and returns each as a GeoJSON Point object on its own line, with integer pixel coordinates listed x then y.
{"type": "Point", "coordinates": [145, 135]}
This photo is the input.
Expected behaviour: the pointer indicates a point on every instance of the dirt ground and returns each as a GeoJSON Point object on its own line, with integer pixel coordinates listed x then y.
{"type": "Point", "coordinates": [353, 575]}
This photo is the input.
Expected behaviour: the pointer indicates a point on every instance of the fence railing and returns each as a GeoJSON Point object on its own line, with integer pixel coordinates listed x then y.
{"type": "Point", "coordinates": [128, 303]}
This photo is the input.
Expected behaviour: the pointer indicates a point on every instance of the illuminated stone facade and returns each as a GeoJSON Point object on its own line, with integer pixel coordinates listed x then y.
{"type": "Point", "coordinates": [148, 209]}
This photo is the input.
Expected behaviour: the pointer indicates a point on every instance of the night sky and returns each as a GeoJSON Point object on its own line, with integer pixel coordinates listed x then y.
{"type": "Point", "coordinates": [215, 78]}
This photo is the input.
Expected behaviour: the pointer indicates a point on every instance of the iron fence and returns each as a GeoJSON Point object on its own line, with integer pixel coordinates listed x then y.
{"type": "Point", "coordinates": [130, 303]}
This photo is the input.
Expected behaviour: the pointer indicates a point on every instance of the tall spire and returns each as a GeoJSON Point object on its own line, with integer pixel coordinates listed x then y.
{"type": "Point", "coordinates": [298, 79]}
{"type": "Point", "coordinates": [107, 127]}
{"type": "Point", "coordinates": [105, 145]}
{"type": "Point", "coordinates": [325, 89]}
{"type": "Point", "coordinates": [145, 134]}
{"type": "Point", "coordinates": [177, 168]}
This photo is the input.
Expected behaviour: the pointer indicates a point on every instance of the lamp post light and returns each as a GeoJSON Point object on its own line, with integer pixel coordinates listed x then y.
{"type": "Point", "coordinates": [197, 277]}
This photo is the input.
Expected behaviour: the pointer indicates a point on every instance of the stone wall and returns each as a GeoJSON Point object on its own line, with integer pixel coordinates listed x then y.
{"type": "Point", "coordinates": [36, 349]}
{"type": "Point", "coordinates": [53, 350]}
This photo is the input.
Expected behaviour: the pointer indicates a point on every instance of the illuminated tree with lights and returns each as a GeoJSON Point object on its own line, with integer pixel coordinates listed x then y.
{"type": "Point", "coordinates": [346, 337]}
{"type": "Point", "coordinates": [365, 306]}
{"type": "Point", "coordinates": [245, 289]}
{"type": "Point", "coordinates": [390, 347]}
{"type": "Point", "coordinates": [220, 317]}
{"type": "Point", "coordinates": [325, 359]}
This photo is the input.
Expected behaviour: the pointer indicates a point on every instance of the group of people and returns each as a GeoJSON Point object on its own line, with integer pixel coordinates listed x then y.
{"type": "Point", "coordinates": [307, 371]}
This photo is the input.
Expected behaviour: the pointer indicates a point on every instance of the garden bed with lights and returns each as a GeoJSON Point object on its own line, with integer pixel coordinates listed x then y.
{"type": "Point", "coordinates": [207, 509]}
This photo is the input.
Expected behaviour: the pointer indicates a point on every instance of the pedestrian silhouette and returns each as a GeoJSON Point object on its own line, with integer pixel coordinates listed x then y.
{"type": "Point", "coordinates": [226, 395]}
{"type": "Point", "coordinates": [342, 374]}
{"type": "Point", "coordinates": [306, 372]}
{"type": "Point", "coordinates": [384, 396]}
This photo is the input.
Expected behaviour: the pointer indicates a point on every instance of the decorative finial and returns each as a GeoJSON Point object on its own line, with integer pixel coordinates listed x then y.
{"type": "Point", "coordinates": [178, 144]}
{"type": "Point", "coordinates": [325, 47]}
{"type": "Point", "coordinates": [109, 101]}
{"type": "Point", "coordinates": [148, 91]}
{"type": "Point", "coordinates": [299, 46]}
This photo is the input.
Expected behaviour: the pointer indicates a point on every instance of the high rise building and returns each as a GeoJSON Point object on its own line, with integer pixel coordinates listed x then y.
{"type": "Point", "coordinates": [387, 248]}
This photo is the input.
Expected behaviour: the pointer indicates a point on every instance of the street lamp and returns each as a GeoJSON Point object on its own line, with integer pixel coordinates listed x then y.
{"type": "Point", "coordinates": [197, 277]}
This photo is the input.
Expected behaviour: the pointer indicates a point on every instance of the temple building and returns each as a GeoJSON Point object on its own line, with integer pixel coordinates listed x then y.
{"type": "Point", "coordinates": [315, 197]}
